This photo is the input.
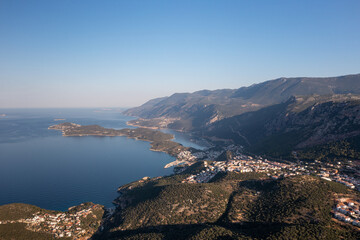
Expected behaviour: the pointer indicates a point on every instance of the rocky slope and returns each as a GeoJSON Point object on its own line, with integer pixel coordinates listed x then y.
{"type": "Point", "coordinates": [194, 110]}
{"type": "Point", "coordinates": [299, 123]}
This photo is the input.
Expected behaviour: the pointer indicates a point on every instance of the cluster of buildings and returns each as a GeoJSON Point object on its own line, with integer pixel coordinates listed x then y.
{"type": "Point", "coordinates": [347, 211]}
{"type": "Point", "coordinates": [331, 173]}
{"type": "Point", "coordinates": [61, 224]}
{"type": "Point", "coordinates": [202, 177]}
{"type": "Point", "coordinates": [243, 164]}
{"type": "Point", "coordinates": [183, 159]}
{"type": "Point", "coordinates": [186, 156]}
{"type": "Point", "coordinates": [348, 181]}
{"type": "Point", "coordinates": [214, 153]}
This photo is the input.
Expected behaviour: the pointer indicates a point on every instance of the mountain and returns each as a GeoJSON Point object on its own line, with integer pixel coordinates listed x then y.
{"type": "Point", "coordinates": [190, 111]}
{"type": "Point", "coordinates": [281, 89]}
{"type": "Point", "coordinates": [299, 123]}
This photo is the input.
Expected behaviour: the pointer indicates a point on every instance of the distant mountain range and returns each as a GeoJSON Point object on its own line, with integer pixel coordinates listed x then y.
{"type": "Point", "coordinates": [292, 113]}
{"type": "Point", "coordinates": [196, 109]}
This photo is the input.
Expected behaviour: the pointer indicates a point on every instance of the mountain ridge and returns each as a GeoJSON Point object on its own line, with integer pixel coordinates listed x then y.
{"type": "Point", "coordinates": [194, 110]}
{"type": "Point", "coordinates": [298, 123]}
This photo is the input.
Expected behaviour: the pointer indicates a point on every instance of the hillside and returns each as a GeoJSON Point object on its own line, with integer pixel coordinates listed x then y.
{"type": "Point", "coordinates": [238, 207]}
{"type": "Point", "coordinates": [24, 221]}
{"type": "Point", "coordinates": [189, 111]}
{"type": "Point", "coordinates": [299, 123]}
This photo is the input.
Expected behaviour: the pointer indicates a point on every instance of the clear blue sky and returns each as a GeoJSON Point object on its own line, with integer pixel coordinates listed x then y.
{"type": "Point", "coordinates": [73, 53]}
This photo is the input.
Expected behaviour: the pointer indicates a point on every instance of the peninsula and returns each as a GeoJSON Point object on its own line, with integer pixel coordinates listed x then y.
{"type": "Point", "coordinates": [159, 141]}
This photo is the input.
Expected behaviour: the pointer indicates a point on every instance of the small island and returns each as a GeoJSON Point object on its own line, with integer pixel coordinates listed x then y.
{"type": "Point", "coordinates": [159, 141]}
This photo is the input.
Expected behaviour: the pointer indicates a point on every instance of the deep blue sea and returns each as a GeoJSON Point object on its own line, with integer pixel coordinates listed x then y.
{"type": "Point", "coordinates": [41, 167]}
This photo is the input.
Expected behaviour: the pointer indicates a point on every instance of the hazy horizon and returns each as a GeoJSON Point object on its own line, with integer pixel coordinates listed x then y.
{"type": "Point", "coordinates": [127, 107]}
{"type": "Point", "coordinates": [72, 54]}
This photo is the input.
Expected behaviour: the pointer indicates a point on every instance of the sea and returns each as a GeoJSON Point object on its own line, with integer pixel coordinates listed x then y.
{"type": "Point", "coordinates": [41, 167]}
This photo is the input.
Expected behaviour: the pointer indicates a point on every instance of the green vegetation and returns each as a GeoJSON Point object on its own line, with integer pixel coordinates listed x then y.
{"type": "Point", "coordinates": [225, 156]}
{"type": "Point", "coordinates": [278, 145]}
{"type": "Point", "coordinates": [13, 223]}
{"type": "Point", "coordinates": [146, 134]}
{"type": "Point", "coordinates": [213, 232]}
{"type": "Point", "coordinates": [13, 231]}
{"type": "Point", "coordinates": [232, 206]}
{"type": "Point", "coordinates": [332, 152]}
{"type": "Point", "coordinates": [91, 221]}
{"type": "Point", "coordinates": [296, 207]}
{"type": "Point", "coordinates": [153, 123]}
{"type": "Point", "coordinates": [306, 200]}
{"type": "Point", "coordinates": [315, 232]}
{"type": "Point", "coordinates": [195, 168]}
{"type": "Point", "coordinates": [159, 141]}
{"type": "Point", "coordinates": [234, 176]}
{"type": "Point", "coordinates": [15, 211]}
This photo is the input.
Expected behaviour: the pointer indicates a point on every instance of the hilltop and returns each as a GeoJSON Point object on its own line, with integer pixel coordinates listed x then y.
{"type": "Point", "coordinates": [231, 206]}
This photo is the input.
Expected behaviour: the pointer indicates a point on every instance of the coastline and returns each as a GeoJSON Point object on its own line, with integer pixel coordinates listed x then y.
{"type": "Point", "coordinates": [161, 124]}
{"type": "Point", "coordinates": [159, 141]}
{"type": "Point", "coordinates": [164, 158]}
{"type": "Point", "coordinates": [140, 126]}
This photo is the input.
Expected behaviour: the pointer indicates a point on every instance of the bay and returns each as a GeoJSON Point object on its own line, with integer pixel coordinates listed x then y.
{"type": "Point", "coordinates": [41, 167]}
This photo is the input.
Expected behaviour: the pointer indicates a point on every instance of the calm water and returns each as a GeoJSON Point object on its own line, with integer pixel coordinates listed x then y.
{"type": "Point", "coordinates": [187, 140]}
{"type": "Point", "coordinates": [40, 167]}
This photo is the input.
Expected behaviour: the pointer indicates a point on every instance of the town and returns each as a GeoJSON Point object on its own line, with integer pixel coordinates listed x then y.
{"type": "Point", "coordinates": [239, 162]}
{"type": "Point", "coordinates": [79, 222]}
{"type": "Point", "coordinates": [346, 210]}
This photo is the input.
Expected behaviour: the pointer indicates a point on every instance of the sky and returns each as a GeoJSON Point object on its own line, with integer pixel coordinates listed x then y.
{"type": "Point", "coordinates": [74, 53]}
